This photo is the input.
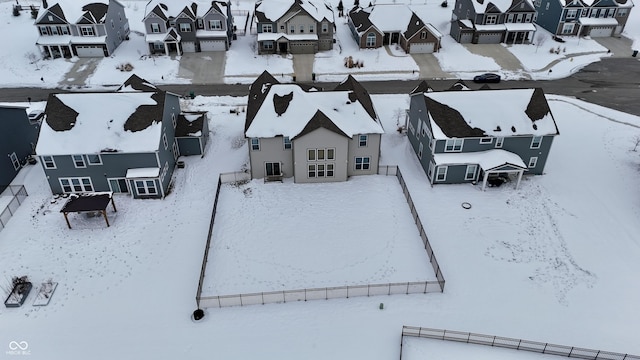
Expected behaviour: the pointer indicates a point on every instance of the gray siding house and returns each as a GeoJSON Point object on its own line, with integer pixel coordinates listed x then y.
{"type": "Point", "coordinates": [594, 18]}
{"type": "Point", "coordinates": [179, 26]}
{"type": "Point", "coordinates": [293, 26]}
{"type": "Point", "coordinates": [18, 137]}
{"type": "Point", "coordinates": [493, 21]}
{"type": "Point", "coordinates": [471, 136]}
{"type": "Point", "coordinates": [387, 24]}
{"type": "Point", "coordinates": [85, 29]}
{"type": "Point", "coordinates": [119, 141]}
{"type": "Point", "coordinates": [310, 134]}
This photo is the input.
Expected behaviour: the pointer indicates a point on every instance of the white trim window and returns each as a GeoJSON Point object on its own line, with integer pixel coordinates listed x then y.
{"type": "Point", "coordinates": [267, 45]}
{"type": "Point", "coordinates": [441, 173]}
{"type": "Point", "coordinates": [215, 25]}
{"type": "Point", "coordinates": [470, 173]}
{"type": "Point", "coordinates": [118, 185]}
{"type": "Point", "coordinates": [48, 162]}
{"type": "Point", "coordinates": [267, 28]}
{"type": "Point", "coordinates": [155, 28]}
{"type": "Point", "coordinates": [423, 35]}
{"type": "Point", "coordinates": [420, 151]}
{"type": "Point", "coordinates": [312, 28]}
{"type": "Point", "coordinates": [78, 161]}
{"type": "Point", "coordinates": [286, 143]}
{"type": "Point", "coordinates": [486, 140]}
{"type": "Point", "coordinates": [325, 27]}
{"type": "Point", "coordinates": [371, 40]}
{"type": "Point", "coordinates": [571, 14]}
{"type": "Point", "coordinates": [165, 142]}
{"type": "Point", "coordinates": [292, 29]}
{"type": "Point", "coordinates": [321, 154]}
{"type": "Point", "coordinates": [363, 140]}
{"type": "Point", "coordinates": [320, 170]}
{"type": "Point", "coordinates": [490, 19]}
{"type": "Point", "coordinates": [176, 151]}
{"type": "Point", "coordinates": [94, 159]}
{"type": "Point", "coordinates": [146, 187]}
{"type": "Point", "coordinates": [567, 28]}
{"type": "Point", "coordinates": [533, 161]}
{"type": "Point", "coordinates": [255, 144]}
{"type": "Point", "coordinates": [185, 27]}
{"type": "Point", "coordinates": [499, 141]}
{"type": "Point", "coordinates": [76, 184]}
{"type": "Point", "coordinates": [87, 31]}
{"type": "Point", "coordinates": [15, 161]}
{"type": "Point", "coordinates": [173, 120]}
{"type": "Point", "coordinates": [622, 12]}
{"type": "Point", "coordinates": [453, 145]}
{"type": "Point", "coordinates": [362, 163]}
{"type": "Point", "coordinates": [432, 167]}
{"type": "Point", "coordinates": [536, 141]}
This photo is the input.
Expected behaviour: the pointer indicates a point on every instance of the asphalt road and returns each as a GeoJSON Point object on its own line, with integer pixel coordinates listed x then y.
{"type": "Point", "coordinates": [613, 83]}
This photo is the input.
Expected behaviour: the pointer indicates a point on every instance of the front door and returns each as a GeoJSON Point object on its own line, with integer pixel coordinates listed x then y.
{"type": "Point", "coordinates": [272, 169]}
{"type": "Point", "coordinates": [118, 185]}
{"type": "Point", "coordinates": [283, 47]}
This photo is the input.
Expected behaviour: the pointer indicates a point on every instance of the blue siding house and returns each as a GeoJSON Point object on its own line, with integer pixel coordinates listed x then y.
{"type": "Point", "coordinates": [483, 135]}
{"type": "Point", "coordinates": [493, 21]}
{"type": "Point", "coordinates": [18, 139]}
{"type": "Point", "coordinates": [594, 18]}
{"type": "Point", "coordinates": [119, 141]}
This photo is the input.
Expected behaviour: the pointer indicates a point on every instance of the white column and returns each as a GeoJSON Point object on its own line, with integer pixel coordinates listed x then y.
{"type": "Point", "coordinates": [484, 181]}
{"type": "Point", "coordinates": [519, 178]}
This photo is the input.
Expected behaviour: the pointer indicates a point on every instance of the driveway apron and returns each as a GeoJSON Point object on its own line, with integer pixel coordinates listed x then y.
{"type": "Point", "coordinates": [203, 67]}
{"type": "Point", "coordinates": [80, 72]}
{"type": "Point", "coordinates": [303, 67]}
{"type": "Point", "coordinates": [503, 57]}
{"type": "Point", "coordinates": [619, 46]}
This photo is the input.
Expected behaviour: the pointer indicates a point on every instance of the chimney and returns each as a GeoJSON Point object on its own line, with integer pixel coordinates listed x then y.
{"type": "Point", "coordinates": [44, 4]}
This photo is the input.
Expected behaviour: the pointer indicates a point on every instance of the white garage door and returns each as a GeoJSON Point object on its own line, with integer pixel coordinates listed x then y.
{"type": "Point", "coordinates": [422, 48]}
{"type": "Point", "coordinates": [212, 45]}
{"type": "Point", "coordinates": [188, 46]}
{"type": "Point", "coordinates": [600, 31]}
{"type": "Point", "coordinates": [90, 51]}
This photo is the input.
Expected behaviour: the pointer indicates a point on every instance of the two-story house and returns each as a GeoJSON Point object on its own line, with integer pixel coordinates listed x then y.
{"type": "Point", "coordinates": [471, 136]}
{"type": "Point", "coordinates": [293, 26]}
{"type": "Point", "coordinates": [594, 18]}
{"type": "Point", "coordinates": [310, 134]}
{"type": "Point", "coordinates": [493, 21]}
{"type": "Point", "coordinates": [85, 29]}
{"type": "Point", "coordinates": [179, 26]}
{"type": "Point", "coordinates": [387, 24]}
{"type": "Point", "coordinates": [120, 141]}
{"type": "Point", "coordinates": [18, 137]}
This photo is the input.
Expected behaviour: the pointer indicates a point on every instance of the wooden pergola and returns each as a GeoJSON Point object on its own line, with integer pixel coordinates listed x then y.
{"type": "Point", "coordinates": [91, 202]}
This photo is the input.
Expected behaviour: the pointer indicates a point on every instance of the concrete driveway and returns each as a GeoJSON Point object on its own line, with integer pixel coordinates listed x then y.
{"type": "Point", "coordinates": [503, 57]}
{"type": "Point", "coordinates": [80, 71]}
{"type": "Point", "coordinates": [430, 67]}
{"type": "Point", "coordinates": [619, 46]}
{"type": "Point", "coordinates": [203, 67]}
{"type": "Point", "coordinates": [303, 67]}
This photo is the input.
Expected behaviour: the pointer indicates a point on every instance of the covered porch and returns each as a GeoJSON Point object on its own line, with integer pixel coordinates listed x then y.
{"type": "Point", "coordinates": [56, 47]}
{"type": "Point", "coordinates": [519, 33]}
{"type": "Point", "coordinates": [167, 43]}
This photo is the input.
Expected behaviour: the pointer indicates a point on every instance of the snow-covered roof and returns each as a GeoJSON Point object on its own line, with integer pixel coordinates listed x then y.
{"type": "Point", "coordinates": [495, 27]}
{"type": "Point", "coordinates": [598, 21]}
{"type": "Point", "coordinates": [520, 27]}
{"type": "Point", "coordinates": [481, 5]}
{"type": "Point", "coordinates": [487, 160]}
{"type": "Point", "coordinates": [346, 113]}
{"type": "Point", "coordinates": [150, 38]}
{"type": "Point", "coordinates": [54, 40]}
{"type": "Point", "coordinates": [390, 17]}
{"type": "Point", "coordinates": [276, 36]}
{"type": "Point", "coordinates": [173, 8]}
{"type": "Point", "coordinates": [139, 173]}
{"type": "Point", "coordinates": [89, 39]}
{"type": "Point", "coordinates": [275, 9]}
{"type": "Point", "coordinates": [512, 112]}
{"type": "Point", "coordinates": [72, 9]}
{"type": "Point", "coordinates": [99, 124]}
{"type": "Point", "coordinates": [467, 23]}
{"type": "Point", "coordinates": [211, 33]}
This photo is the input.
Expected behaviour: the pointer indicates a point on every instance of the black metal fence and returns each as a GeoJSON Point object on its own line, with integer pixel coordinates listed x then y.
{"type": "Point", "coordinates": [326, 292]}
{"type": "Point", "coordinates": [510, 343]}
{"type": "Point", "coordinates": [16, 194]}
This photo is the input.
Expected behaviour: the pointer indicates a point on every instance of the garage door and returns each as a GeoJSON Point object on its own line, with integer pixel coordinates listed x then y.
{"type": "Point", "coordinates": [188, 46]}
{"type": "Point", "coordinates": [600, 31]}
{"type": "Point", "coordinates": [212, 45]}
{"type": "Point", "coordinates": [90, 51]}
{"type": "Point", "coordinates": [422, 48]}
{"type": "Point", "coordinates": [489, 38]}
{"type": "Point", "coordinates": [301, 47]}
{"type": "Point", "coordinates": [466, 38]}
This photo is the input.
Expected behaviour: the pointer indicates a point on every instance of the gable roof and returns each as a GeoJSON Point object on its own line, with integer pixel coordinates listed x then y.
{"type": "Point", "coordinates": [190, 123]}
{"type": "Point", "coordinates": [73, 11]}
{"type": "Point", "coordinates": [193, 9]}
{"type": "Point", "coordinates": [272, 10]}
{"type": "Point", "coordinates": [486, 6]}
{"type": "Point", "coordinates": [422, 87]}
{"type": "Point", "coordinates": [128, 120]}
{"type": "Point", "coordinates": [276, 109]}
{"type": "Point", "coordinates": [513, 112]}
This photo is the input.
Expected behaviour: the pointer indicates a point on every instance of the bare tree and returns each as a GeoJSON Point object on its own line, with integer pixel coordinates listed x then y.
{"type": "Point", "coordinates": [33, 58]}
{"type": "Point", "coordinates": [636, 142]}
{"type": "Point", "coordinates": [540, 39]}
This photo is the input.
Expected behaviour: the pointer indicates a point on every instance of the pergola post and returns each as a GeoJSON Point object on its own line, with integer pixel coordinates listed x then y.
{"type": "Point", "coordinates": [67, 219]}
{"type": "Point", "coordinates": [104, 213]}
{"type": "Point", "coordinates": [113, 204]}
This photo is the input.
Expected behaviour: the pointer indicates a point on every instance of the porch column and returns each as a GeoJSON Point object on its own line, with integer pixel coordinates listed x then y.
{"type": "Point", "coordinates": [484, 180]}
{"type": "Point", "coordinates": [519, 178]}
{"type": "Point", "coordinates": [60, 51]}
{"type": "Point", "coordinates": [166, 48]}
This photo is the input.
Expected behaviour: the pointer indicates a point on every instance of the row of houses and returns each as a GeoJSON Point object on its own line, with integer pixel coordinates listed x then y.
{"type": "Point", "coordinates": [67, 28]}
{"type": "Point", "coordinates": [129, 140]}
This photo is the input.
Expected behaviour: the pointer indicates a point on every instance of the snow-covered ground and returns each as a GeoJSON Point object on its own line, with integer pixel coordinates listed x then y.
{"type": "Point", "coordinates": [553, 261]}
{"type": "Point", "coordinates": [243, 63]}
